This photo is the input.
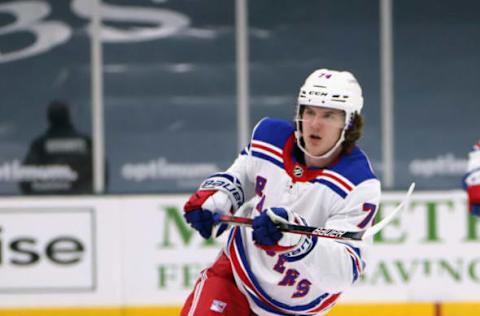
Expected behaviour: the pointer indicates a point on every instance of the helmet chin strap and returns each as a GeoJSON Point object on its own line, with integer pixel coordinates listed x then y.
{"type": "Point", "coordinates": [298, 136]}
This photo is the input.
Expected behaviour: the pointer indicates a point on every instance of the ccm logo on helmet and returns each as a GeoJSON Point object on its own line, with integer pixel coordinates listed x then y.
{"type": "Point", "coordinates": [323, 94]}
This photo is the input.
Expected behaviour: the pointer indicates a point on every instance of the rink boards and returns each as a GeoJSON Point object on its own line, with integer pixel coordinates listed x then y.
{"type": "Point", "coordinates": [134, 255]}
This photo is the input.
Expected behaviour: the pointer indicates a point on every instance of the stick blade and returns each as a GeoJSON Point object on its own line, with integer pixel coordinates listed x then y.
{"type": "Point", "coordinates": [384, 222]}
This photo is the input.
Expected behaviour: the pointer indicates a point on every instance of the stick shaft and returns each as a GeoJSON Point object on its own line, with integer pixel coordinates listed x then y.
{"type": "Point", "coordinates": [325, 232]}
{"type": "Point", "coordinates": [298, 229]}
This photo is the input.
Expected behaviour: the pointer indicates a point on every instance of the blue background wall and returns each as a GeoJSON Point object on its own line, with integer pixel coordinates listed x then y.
{"type": "Point", "coordinates": [169, 82]}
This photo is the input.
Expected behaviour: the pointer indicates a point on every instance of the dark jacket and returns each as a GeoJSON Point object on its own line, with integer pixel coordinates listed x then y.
{"type": "Point", "coordinates": [63, 147]}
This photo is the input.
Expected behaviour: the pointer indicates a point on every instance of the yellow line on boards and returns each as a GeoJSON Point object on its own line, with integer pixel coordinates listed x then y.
{"type": "Point", "coordinates": [153, 311]}
{"type": "Point", "coordinates": [94, 311]}
{"type": "Point", "coordinates": [342, 309]}
{"type": "Point", "coordinates": [407, 309]}
{"type": "Point", "coordinates": [393, 309]}
{"type": "Point", "coordinates": [460, 309]}
{"type": "Point", "coordinates": [71, 311]}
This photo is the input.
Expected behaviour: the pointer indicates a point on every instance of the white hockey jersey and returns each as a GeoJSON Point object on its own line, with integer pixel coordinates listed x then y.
{"type": "Point", "coordinates": [473, 166]}
{"type": "Point", "coordinates": [345, 195]}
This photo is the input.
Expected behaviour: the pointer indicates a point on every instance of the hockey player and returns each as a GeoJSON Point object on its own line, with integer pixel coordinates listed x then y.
{"type": "Point", "coordinates": [471, 181]}
{"type": "Point", "coordinates": [308, 172]}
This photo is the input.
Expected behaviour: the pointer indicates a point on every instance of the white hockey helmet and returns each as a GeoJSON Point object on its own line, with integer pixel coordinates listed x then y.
{"type": "Point", "coordinates": [330, 89]}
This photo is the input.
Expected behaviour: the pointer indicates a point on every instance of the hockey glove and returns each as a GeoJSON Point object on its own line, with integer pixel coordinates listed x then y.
{"type": "Point", "coordinates": [219, 193]}
{"type": "Point", "coordinates": [266, 233]}
{"type": "Point", "coordinates": [203, 208]}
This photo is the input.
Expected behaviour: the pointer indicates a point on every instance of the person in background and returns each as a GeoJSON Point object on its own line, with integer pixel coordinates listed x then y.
{"type": "Point", "coordinates": [308, 172]}
{"type": "Point", "coordinates": [61, 157]}
{"type": "Point", "coordinates": [471, 180]}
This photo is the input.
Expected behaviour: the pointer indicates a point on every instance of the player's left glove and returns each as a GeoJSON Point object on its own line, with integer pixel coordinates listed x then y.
{"type": "Point", "coordinates": [266, 233]}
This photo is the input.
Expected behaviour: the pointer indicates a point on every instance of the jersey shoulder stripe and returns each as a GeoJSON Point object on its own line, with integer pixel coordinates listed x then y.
{"type": "Point", "coordinates": [351, 170]}
{"type": "Point", "coordinates": [269, 138]}
{"type": "Point", "coordinates": [273, 131]}
{"type": "Point", "coordinates": [354, 167]}
{"type": "Point", "coordinates": [335, 188]}
{"type": "Point", "coordinates": [335, 181]}
{"type": "Point", "coordinates": [268, 152]}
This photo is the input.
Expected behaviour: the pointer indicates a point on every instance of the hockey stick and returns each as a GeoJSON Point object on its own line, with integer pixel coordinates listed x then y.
{"type": "Point", "coordinates": [325, 232]}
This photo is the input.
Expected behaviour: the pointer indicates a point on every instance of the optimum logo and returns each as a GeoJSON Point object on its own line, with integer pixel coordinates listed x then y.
{"type": "Point", "coordinates": [53, 246]}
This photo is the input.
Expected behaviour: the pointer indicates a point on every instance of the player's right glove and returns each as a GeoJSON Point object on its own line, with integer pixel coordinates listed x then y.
{"type": "Point", "coordinates": [218, 194]}
{"type": "Point", "coordinates": [266, 233]}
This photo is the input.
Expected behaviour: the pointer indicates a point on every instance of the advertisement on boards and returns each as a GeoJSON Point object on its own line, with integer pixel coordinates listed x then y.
{"type": "Point", "coordinates": [47, 250]}
{"type": "Point", "coordinates": [134, 251]}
